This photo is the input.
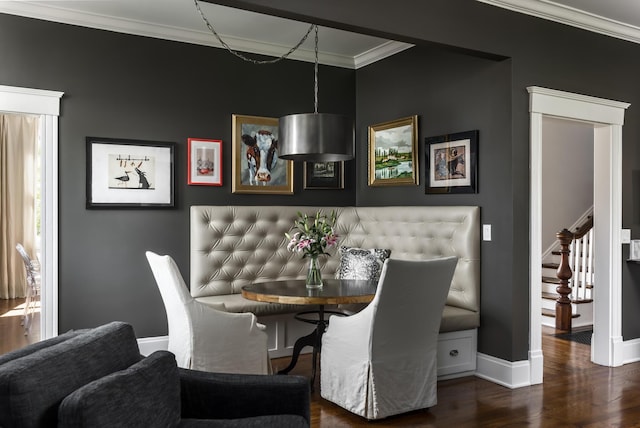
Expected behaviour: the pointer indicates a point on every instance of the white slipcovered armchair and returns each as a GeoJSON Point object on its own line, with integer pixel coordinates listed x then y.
{"type": "Point", "coordinates": [202, 337]}
{"type": "Point", "coordinates": [382, 360]}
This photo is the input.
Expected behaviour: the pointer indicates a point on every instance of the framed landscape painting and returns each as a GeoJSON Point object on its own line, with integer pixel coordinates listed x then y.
{"type": "Point", "coordinates": [452, 163]}
{"type": "Point", "coordinates": [393, 153]}
{"type": "Point", "coordinates": [129, 173]}
{"type": "Point", "coordinates": [256, 166]}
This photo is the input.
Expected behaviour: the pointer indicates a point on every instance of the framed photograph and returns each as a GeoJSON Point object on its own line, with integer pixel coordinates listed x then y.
{"type": "Point", "coordinates": [129, 173]}
{"type": "Point", "coordinates": [452, 163]}
{"type": "Point", "coordinates": [256, 166]}
{"type": "Point", "coordinates": [393, 153]}
{"type": "Point", "coordinates": [204, 163]}
{"type": "Point", "coordinates": [324, 175]}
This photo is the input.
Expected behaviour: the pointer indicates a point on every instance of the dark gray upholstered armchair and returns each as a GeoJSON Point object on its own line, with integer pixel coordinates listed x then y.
{"type": "Point", "coordinates": [97, 378]}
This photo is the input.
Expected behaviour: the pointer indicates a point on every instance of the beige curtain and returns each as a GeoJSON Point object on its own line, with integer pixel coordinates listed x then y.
{"type": "Point", "coordinates": [18, 162]}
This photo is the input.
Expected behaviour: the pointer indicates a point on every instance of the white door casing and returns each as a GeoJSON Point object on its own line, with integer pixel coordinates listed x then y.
{"type": "Point", "coordinates": [46, 104]}
{"type": "Point", "coordinates": [607, 118]}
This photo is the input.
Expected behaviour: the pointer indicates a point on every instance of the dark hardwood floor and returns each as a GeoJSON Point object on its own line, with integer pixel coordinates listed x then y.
{"type": "Point", "coordinates": [575, 393]}
{"type": "Point", "coordinates": [11, 330]}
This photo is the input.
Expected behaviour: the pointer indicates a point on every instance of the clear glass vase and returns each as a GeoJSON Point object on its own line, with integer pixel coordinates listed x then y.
{"type": "Point", "coordinates": [314, 277]}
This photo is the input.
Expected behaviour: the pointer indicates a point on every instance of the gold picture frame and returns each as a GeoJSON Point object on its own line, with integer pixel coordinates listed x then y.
{"type": "Point", "coordinates": [256, 167]}
{"type": "Point", "coordinates": [393, 153]}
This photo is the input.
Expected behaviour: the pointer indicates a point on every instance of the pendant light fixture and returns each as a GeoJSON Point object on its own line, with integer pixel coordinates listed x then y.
{"type": "Point", "coordinates": [316, 137]}
{"type": "Point", "coordinates": [311, 137]}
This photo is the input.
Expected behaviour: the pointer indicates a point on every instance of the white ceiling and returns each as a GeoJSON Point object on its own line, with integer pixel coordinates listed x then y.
{"type": "Point", "coordinates": [251, 32]}
{"type": "Point", "coordinates": [241, 30]}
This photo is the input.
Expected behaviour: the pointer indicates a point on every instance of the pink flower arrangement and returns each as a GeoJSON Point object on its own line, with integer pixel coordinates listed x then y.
{"type": "Point", "coordinates": [314, 234]}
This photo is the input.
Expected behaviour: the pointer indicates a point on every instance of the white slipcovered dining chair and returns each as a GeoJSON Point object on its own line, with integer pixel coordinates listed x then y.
{"type": "Point", "coordinates": [382, 360]}
{"type": "Point", "coordinates": [205, 338]}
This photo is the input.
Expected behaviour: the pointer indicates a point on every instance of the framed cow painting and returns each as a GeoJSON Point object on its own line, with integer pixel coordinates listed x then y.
{"type": "Point", "coordinates": [256, 166]}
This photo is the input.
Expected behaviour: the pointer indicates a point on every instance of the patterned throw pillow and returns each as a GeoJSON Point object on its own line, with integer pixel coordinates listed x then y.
{"type": "Point", "coordinates": [360, 263]}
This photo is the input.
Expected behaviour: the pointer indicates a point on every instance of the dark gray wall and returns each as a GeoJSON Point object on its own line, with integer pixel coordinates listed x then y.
{"type": "Point", "coordinates": [450, 93]}
{"type": "Point", "coordinates": [131, 87]}
{"type": "Point", "coordinates": [541, 53]}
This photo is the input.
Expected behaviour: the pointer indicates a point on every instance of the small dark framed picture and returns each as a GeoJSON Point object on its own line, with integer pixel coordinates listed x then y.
{"type": "Point", "coordinates": [452, 163]}
{"type": "Point", "coordinates": [204, 163]}
{"type": "Point", "coordinates": [129, 173]}
{"type": "Point", "coordinates": [324, 175]}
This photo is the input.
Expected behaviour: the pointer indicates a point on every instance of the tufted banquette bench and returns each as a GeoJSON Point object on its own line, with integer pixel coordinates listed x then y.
{"type": "Point", "coordinates": [234, 246]}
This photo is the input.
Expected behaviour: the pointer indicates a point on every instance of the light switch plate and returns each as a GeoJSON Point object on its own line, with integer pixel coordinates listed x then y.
{"type": "Point", "coordinates": [634, 250]}
{"type": "Point", "coordinates": [625, 236]}
{"type": "Point", "coordinates": [486, 232]}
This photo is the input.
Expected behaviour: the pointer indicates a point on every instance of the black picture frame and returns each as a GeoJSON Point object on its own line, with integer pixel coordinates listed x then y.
{"type": "Point", "coordinates": [452, 163]}
{"type": "Point", "coordinates": [124, 173]}
{"type": "Point", "coordinates": [324, 175]}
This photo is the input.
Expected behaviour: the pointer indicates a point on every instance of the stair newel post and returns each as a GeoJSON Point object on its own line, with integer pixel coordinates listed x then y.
{"type": "Point", "coordinates": [563, 303]}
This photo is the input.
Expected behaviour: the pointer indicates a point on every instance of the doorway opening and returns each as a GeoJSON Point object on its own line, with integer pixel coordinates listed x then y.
{"type": "Point", "coordinates": [567, 203]}
{"type": "Point", "coordinates": [607, 118]}
{"type": "Point", "coordinates": [20, 228]}
{"type": "Point", "coordinates": [46, 105]}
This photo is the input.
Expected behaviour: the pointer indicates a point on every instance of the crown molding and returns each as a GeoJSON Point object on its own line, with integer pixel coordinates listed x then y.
{"type": "Point", "coordinates": [141, 28]}
{"type": "Point", "coordinates": [380, 52]}
{"type": "Point", "coordinates": [570, 16]}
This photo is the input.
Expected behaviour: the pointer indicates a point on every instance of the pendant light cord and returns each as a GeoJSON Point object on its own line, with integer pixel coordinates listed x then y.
{"type": "Point", "coordinates": [315, 75]}
{"type": "Point", "coordinates": [260, 62]}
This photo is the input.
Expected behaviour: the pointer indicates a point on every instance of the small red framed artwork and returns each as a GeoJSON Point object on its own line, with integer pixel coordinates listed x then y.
{"type": "Point", "coordinates": [204, 162]}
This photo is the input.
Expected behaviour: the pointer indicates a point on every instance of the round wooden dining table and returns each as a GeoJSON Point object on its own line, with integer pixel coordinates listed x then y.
{"type": "Point", "coordinates": [295, 292]}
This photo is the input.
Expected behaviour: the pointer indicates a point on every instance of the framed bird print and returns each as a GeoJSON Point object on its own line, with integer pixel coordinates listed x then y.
{"type": "Point", "coordinates": [129, 173]}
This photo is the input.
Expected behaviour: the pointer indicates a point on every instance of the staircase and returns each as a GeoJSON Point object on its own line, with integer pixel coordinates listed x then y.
{"type": "Point", "coordinates": [581, 282]}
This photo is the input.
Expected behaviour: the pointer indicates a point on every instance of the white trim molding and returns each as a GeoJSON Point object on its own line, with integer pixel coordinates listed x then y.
{"type": "Point", "coordinates": [506, 373]}
{"type": "Point", "coordinates": [54, 13]}
{"type": "Point", "coordinates": [631, 351]}
{"type": "Point", "coordinates": [382, 51]}
{"type": "Point", "coordinates": [47, 105]}
{"type": "Point", "coordinates": [149, 345]}
{"type": "Point", "coordinates": [567, 15]}
{"type": "Point", "coordinates": [607, 118]}
{"type": "Point", "coordinates": [30, 101]}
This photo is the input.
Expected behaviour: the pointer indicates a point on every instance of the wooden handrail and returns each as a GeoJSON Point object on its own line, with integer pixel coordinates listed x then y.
{"type": "Point", "coordinates": [584, 228]}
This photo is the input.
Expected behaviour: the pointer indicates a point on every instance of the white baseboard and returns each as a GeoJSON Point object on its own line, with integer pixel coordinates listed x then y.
{"type": "Point", "coordinates": [512, 375]}
{"type": "Point", "coordinates": [524, 373]}
{"type": "Point", "coordinates": [149, 345]}
{"type": "Point", "coordinates": [506, 373]}
{"type": "Point", "coordinates": [509, 374]}
{"type": "Point", "coordinates": [631, 351]}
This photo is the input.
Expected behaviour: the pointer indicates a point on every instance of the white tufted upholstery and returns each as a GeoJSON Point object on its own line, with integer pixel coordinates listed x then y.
{"type": "Point", "coordinates": [234, 246]}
